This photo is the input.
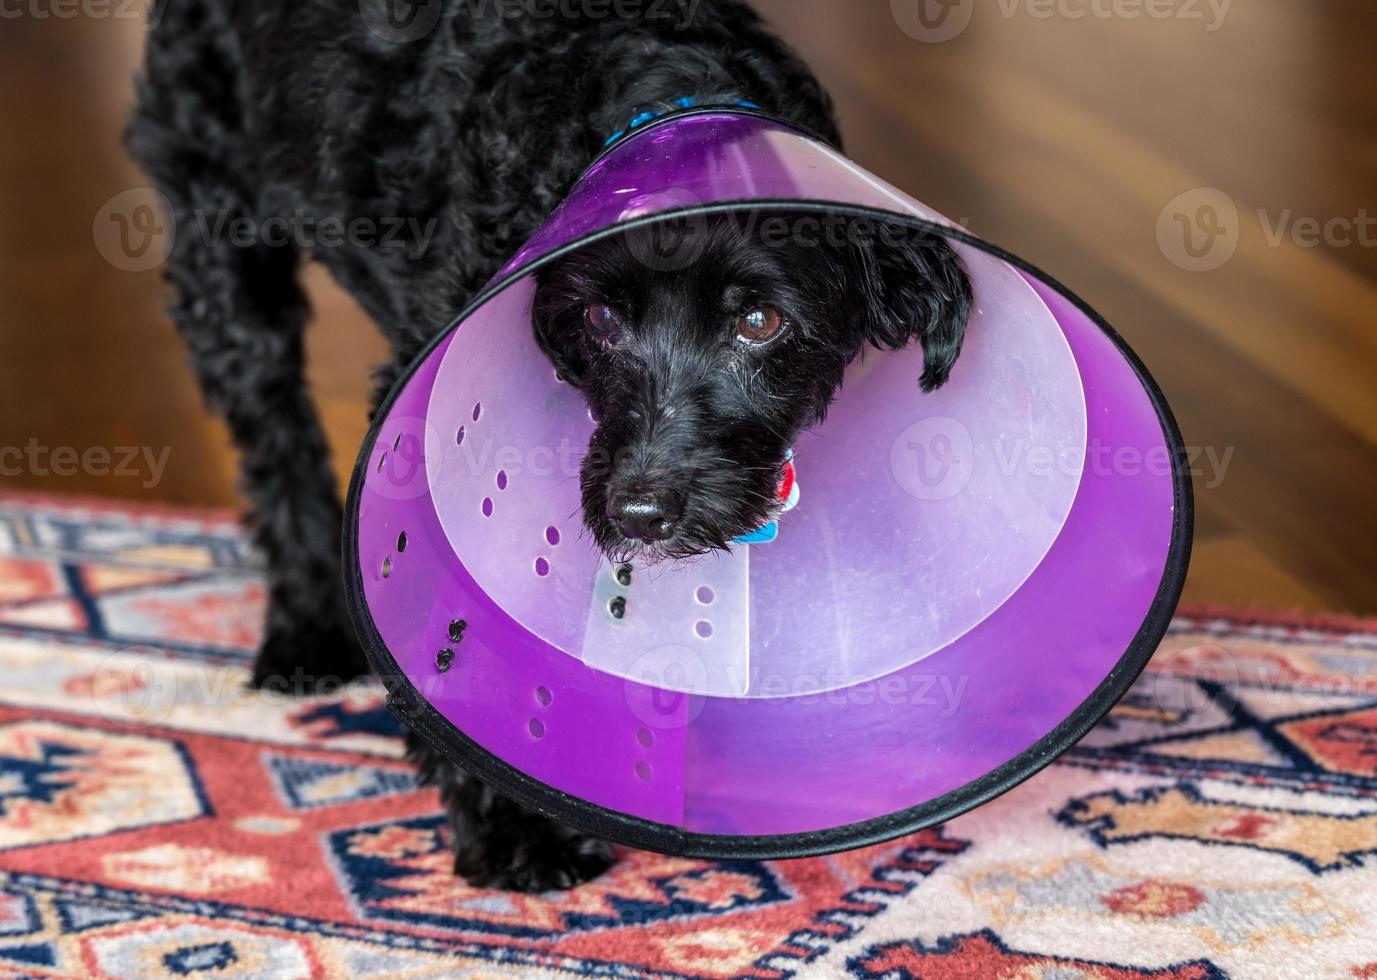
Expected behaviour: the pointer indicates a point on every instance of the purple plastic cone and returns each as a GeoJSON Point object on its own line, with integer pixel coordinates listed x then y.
{"type": "Point", "coordinates": [843, 683]}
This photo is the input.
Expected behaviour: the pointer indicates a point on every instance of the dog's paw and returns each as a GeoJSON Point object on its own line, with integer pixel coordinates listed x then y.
{"type": "Point", "coordinates": [548, 863]}
{"type": "Point", "coordinates": [307, 660]}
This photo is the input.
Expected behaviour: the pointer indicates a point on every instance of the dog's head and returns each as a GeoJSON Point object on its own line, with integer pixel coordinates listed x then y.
{"type": "Point", "coordinates": [705, 346]}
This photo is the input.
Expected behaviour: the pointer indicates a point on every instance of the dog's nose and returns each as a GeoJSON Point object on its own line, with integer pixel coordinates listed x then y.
{"type": "Point", "coordinates": [645, 516]}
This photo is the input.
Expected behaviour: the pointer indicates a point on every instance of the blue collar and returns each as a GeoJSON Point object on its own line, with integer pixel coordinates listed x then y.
{"type": "Point", "coordinates": [687, 102]}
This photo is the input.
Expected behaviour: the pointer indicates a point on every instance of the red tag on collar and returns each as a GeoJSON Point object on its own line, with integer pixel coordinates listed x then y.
{"type": "Point", "coordinates": [786, 480]}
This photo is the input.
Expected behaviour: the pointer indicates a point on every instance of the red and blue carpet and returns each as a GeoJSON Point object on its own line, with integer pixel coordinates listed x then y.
{"type": "Point", "coordinates": [159, 820]}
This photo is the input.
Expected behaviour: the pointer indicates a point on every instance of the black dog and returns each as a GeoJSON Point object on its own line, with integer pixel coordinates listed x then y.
{"type": "Point", "coordinates": [441, 134]}
{"type": "Point", "coordinates": [702, 376]}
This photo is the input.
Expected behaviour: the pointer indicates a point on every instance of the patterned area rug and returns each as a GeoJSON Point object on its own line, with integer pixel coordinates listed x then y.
{"type": "Point", "coordinates": [158, 820]}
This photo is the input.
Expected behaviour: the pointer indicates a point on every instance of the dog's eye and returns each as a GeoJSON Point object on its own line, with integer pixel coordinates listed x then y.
{"type": "Point", "coordinates": [604, 321]}
{"type": "Point", "coordinates": [759, 325]}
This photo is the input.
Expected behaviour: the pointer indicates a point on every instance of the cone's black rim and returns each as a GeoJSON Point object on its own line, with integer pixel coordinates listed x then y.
{"type": "Point", "coordinates": [442, 734]}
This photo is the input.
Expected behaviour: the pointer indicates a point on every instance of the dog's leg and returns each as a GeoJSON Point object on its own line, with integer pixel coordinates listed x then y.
{"type": "Point", "coordinates": [501, 844]}
{"type": "Point", "coordinates": [241, 312]}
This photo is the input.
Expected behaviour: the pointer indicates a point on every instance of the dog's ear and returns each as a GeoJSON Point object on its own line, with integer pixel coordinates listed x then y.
{"type": "Point", "coordinates": [557, 324]}
{"type": "Point", "coordinates": [912, 287]}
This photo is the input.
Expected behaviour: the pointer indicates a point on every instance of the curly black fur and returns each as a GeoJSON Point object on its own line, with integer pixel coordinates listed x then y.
{"type": "Point", "coordinates": [459, 143]}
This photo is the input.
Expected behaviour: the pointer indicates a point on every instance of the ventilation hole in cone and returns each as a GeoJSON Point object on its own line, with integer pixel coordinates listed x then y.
{"type": "Point", "coordinates": [477, 410]}
{"type": "Point", "coordinates": [459, 436]}
{"type": "Point", "coordinates": [487, 507]}
{"type": "Point", "coordinates": [401, 542]}
{"type": "Point", "coordinates": [643, 771]}
{"type": "Point", "coordinates": [703, 628]}
{"type": "Point", "coordinates": [543, 696]}
{"type": "Point", "coordinates": [552, 535]}
{"type": "Point", "coordinates": [502, 479]}
{"type": "Point", "coordinates": [536, 727]}
{"type": "Point", "coordinates": [644, 737]}
{"type": "Point", "coordinates": [542, 567]}
{"type": "Point", "coordinates": [704, 595]}
{"type": "Point", "coordinates": [387, 567]}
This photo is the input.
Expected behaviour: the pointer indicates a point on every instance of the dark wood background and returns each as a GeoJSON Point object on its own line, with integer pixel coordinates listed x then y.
{"type": "Point", "coordinates": [1061, 137]}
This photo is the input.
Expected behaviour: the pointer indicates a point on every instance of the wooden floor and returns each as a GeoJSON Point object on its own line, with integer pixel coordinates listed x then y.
{"type": "Point", "coordinates": [1063, 138]}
